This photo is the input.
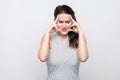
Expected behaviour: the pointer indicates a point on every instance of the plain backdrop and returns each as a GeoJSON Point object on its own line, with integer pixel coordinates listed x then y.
{"type": "Point", "coordinates": [23, 22]}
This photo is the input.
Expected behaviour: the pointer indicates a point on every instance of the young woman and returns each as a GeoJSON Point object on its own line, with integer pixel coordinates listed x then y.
{"type": "Point", "coordinates": [63, 46]}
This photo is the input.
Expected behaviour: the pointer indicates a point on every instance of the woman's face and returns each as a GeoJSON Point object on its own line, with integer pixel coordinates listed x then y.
{"type": "Point", "coordinates": [64, 23]}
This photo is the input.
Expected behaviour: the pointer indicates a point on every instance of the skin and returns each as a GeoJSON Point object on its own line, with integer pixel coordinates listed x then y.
{"type": "Point", "coordinates": [62, 25]}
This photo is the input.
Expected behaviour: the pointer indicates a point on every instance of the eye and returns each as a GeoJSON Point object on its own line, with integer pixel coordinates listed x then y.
{"type": "Point", "coordinates": [67, 21]}
{"type": "Point", "coordinates": [60, 21]}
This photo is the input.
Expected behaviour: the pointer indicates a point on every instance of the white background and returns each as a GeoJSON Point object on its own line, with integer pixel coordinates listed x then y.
{"type": "Point", "coordinates": [23, 22]}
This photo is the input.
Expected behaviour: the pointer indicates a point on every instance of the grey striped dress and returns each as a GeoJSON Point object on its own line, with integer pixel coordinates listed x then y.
{"type": "Point", "coordinates": [62, 63]}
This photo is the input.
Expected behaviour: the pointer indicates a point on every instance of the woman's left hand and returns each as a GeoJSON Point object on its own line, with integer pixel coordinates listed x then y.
{"type": "Point", "coordinates": [75, 26]}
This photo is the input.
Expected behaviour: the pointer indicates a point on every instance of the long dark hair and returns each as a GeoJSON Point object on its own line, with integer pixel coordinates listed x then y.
{"type": "Point", "coordinates": [73, 36]}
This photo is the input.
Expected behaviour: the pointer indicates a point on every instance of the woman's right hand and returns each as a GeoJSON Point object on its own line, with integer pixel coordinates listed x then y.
{"type": "Point", "coordinates": [53, 27]}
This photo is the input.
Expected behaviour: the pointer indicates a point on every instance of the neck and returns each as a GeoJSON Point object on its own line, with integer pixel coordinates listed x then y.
{"type": "Point", "coordinates": [62, 36]}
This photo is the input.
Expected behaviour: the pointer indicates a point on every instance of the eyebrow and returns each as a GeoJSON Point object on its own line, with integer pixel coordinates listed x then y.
{"type": "Point", "coordinates": [64, 21]}
{"type": "Point", "coordinates": [67, 21]}
{"type": "Point", "coordinates": [61, 21]}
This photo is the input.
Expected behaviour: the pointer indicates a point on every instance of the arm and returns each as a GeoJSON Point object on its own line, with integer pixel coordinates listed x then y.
{"type": "Point", "coordinates": [44, 49]}
{"type": "Point", "coordinates": [82, 43]}
{"type": "Point", "coordinates": [82, 47]}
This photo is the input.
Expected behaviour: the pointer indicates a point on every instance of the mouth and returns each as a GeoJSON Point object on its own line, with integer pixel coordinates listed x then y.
{"type": "Point", "coordinates": [64, 30]}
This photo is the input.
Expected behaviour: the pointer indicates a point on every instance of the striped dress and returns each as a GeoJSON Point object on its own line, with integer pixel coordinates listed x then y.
{"type": "Point", "coordinates": [62, 63]}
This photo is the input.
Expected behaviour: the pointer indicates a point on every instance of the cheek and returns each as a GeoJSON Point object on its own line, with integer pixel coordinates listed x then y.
{"type": "Point", "coordinates": [59, 24]}
{"type": "Point", "coordinates": [68, 25]}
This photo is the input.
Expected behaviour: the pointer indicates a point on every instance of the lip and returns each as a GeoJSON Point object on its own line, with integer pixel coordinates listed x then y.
{"type": "Point", "coordinates": [64, 30]}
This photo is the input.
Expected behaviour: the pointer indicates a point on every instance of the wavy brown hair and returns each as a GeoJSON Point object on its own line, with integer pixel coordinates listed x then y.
{"type": "Point", "coordinates": [73, 36]}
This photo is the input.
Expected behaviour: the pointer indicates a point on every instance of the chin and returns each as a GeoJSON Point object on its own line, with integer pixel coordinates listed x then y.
{"type": "Point", "coordinates": [64, 33]}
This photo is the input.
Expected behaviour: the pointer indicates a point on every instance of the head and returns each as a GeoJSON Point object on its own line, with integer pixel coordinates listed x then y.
{"type": "Point", "coordinates": [64, 23]}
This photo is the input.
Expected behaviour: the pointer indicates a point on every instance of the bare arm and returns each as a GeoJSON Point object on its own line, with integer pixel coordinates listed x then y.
{"type": "Point", "coordinates": [44, 49]}
{"type": "Point", "coordinates": [82, 43]}
{"type": "Point", "coordinates": [82, 48]}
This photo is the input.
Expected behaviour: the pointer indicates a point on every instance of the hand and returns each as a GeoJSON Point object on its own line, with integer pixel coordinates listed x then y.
{"type": "Point", "coordinates": [75, 26]}
{"type": "Point", "coordinates": [53, 27]}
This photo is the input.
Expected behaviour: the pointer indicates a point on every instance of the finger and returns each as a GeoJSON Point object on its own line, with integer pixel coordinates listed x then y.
{"type": "Point", "coordinates": [71, 29]}
{"type": "Point", "coordinates": [56, 29]}
{"type": "Point", "coordinates": [52, 29]}
{"type": "Point", "coordinates": [56, 19]}
{"type": "Point", "coordinates": [73, 25]}
{"type": "Point", "coordinates": [72, 19]}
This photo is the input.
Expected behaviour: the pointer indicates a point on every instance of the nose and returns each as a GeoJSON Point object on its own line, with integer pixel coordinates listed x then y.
{"type": "Point", "coordinates": [64, 25]}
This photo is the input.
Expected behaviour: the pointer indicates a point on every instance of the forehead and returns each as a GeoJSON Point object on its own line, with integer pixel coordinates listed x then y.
{"type": "Point", "coordinates": [63, 17]}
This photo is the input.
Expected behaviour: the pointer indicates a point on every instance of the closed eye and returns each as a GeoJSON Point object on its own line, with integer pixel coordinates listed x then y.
{"type": "Point", "coordinates": [60, 21]}
{"type": "Point", "coordinates": [67, 21]}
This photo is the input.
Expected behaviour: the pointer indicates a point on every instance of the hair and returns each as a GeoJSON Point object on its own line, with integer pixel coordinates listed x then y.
{"type": "Point", "coordinates": [73, 36]}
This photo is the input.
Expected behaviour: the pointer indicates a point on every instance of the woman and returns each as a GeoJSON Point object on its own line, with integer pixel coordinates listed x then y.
{"type": "Point", "coordinates": [63, 46]}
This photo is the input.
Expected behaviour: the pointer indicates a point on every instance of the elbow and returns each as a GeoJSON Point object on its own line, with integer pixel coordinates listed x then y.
{"type": "Point", "coordinates": [83, 56]}
{"type": "Point", "coordinates": [84, 59]}
{"type": "Point", "coordinates": [42, 59]}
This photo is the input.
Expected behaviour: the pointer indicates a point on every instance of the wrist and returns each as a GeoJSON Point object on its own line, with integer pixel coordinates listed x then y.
{"type": "Point", "coordinates": [81, 33]}
{"type": "Point", "coordinates": [49, 32]}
